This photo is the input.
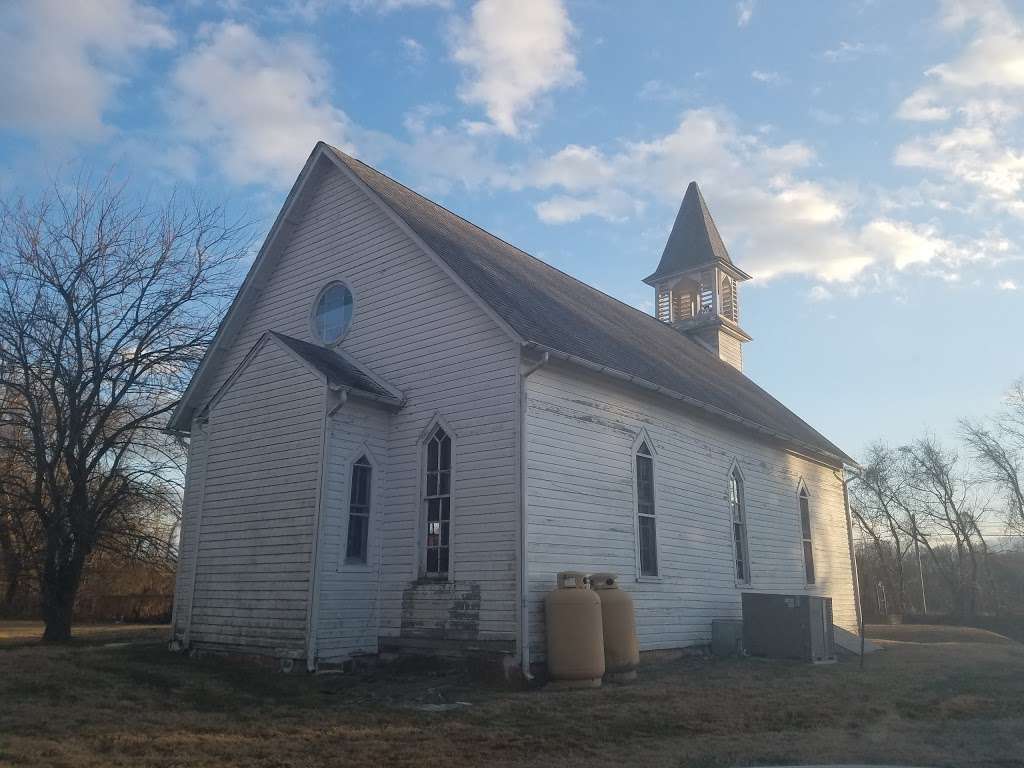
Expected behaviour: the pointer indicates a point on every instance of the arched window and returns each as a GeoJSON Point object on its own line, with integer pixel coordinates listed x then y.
{"type": "Point", "coordinates": [805, 529]}
{"type": "Point", "coordinates": [359, 511]}
{"type": "Point", "coordinates": [648, 535]}
{"type": "Point", "coordinates": [739, 526]}
{"type": "Point", "coordinates": [437, 503]}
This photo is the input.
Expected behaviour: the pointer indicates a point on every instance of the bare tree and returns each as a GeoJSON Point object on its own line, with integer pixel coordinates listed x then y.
{"type": "Point", "coordinates": [880, 510]}
{"type": "Point", "coordinates": [999, 450]}
{"type": "Point", "coordinates": [106, 307]}
{"type": "Point", "coordinates": [940, 494]}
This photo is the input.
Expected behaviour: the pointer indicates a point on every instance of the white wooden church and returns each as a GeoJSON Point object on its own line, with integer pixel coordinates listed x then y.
{"type": "Point", "coordinates": [407, 426]}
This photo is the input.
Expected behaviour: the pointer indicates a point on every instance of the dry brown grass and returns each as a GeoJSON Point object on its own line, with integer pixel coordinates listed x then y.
{"type": "Point", "coordinates": [15, 633]}
{"type": "Point", "coordinates": [955, 702]}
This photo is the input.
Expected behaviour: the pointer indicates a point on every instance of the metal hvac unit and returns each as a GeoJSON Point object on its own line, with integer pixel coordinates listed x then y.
{"type": "Point", "coordinates": [788, 626]}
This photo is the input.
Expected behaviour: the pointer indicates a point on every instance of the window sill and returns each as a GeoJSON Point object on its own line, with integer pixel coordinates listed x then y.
{"type": "Point", "coordinates": [650, 579]}
{"type": "Point", "coordinates": [354, 565]}
{"type": "Point", "coordinates": [741, 585]}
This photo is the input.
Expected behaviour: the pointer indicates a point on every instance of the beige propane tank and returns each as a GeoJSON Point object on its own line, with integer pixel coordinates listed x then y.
{"type": "Point", "coordinates": [621, 647]}
{"type": "Point", "coordinates": [575, 639]}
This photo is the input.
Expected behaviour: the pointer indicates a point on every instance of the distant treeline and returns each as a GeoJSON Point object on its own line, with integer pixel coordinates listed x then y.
{"type": "Point", "coordinates": [941, 529]}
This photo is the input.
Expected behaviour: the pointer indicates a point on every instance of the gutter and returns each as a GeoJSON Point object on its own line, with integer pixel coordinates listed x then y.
{"type": "Point", "coordinates": [523, 640]}
{"type": "Point", "coordinates": [689, 400]}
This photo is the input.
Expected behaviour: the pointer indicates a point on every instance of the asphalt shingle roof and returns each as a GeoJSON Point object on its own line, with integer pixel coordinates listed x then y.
{"type": "Point", "coordinates": [549, 308]}
{"type": "Point", "coordinates": [339, 371]}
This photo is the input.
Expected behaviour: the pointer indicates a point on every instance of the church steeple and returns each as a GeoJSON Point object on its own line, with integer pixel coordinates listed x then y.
{"type": "Point", "coordinates": [696, 284]}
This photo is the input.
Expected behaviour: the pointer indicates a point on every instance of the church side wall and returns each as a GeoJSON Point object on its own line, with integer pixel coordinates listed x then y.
{"type": "Point", "coordinates": [582, 431]}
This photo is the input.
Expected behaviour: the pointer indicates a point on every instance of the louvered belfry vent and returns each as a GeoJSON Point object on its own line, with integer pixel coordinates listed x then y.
{"type": "Point", "coordinates": [696, 282]}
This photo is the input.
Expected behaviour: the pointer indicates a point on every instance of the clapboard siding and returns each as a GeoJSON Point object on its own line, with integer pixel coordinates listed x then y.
{"type": "Point", "coordinates": [190, 517]}
{"type": "Point", "coordinates": [349, 593]}
{"type": "Point", "coordinates": [581, 433]}
{"type": "Point", "coordinates": [415, 327]}
{"type": "Point", "coordinates": [252, 576]}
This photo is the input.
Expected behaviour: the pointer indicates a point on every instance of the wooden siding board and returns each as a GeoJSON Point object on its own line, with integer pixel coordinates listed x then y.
{"type": "Point", "coordinates": [261, 475]}
{"type": "Point", "coordinates": [581, 504]}
{"type": "Point", "coordinates": [413, 326]}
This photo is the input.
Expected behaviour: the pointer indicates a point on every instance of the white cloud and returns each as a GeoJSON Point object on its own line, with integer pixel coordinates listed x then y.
{"type": "Point", "coordinates": [64, 62]}
{"type": "Point", "coordinates": [824, 116]}
{"type": "Point", "coordinates": [819, 293]}
{"type": "Point", "coordinates": [385, 6]}
{"type": "Point", "coordinates": [254, 105]}
{"type": "Point", "coordinates": [413, 50]}
{"type": "Point", "coordinates": [977, 93]}
{"type": "Point", "coordinates": [610, 204]}
{"type": "Point", "coordinates": [777, 221]}
{"type": "Point", "coordinates": [774, 220]}
{"type": "Point", "coordinates": [975, 154]}
{"type": "Point", "coordinates": [745, 12]}
{"type": "Point", "coordinates": [514, 53]}
{"type": "Point", "coordinates": [310, 10]}
{"type": "Point", "coordinates": [771, 78]}
{"type": "Point", "coordinates": [659, 90]}
{"type": "Point", "coordinates": [903, 244]}
{"type": "Point", "coordinates": [1007, 285]}
{"type": "Point", "coordinates": [922, 106]}
{"type": "Point", "coordinates": [846, 51]}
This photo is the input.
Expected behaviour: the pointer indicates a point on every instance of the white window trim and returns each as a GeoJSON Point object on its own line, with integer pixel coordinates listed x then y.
{"type": "Point", "coordinates": [641, 438]}
{"type": "Point", "coordinates": [801, 489]}
{"type": "Point", "coordinates": [419, 571]}
{"type": "Point", "coordinates": [316, 302]}
{"type": "Point", "coordinates": [344, 564]}
{"type": "Point", "coordinates": [736, 468]}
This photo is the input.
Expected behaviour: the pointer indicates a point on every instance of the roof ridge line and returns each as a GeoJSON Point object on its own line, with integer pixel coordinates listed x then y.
{"type": "Point", "coordinates": [496, 237]}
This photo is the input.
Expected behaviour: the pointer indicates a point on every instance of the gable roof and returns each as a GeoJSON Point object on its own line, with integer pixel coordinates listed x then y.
{"type": "Point", "coordinates": [342, 371]}
{"type": "Point", "coordinates": [555, 312]}
{"type": "Point", "coordinates": [694, 240]}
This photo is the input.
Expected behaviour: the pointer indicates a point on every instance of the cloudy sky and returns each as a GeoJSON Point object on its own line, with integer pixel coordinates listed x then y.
{"type": "Point", "coordinates": [863, 160]}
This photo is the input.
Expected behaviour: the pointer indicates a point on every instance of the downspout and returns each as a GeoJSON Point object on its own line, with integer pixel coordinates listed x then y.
{"type": "Point", "coordinates": [202, 426]}
{"type": "Point", "coordinates": [853, 556]}
{"type": "Point", "coordinates": [524, 570]}
{"type": "Point", "coordinates": [313, 596]}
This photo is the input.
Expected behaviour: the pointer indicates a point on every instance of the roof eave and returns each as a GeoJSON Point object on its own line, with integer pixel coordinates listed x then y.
{"type": "Point", "coordinates": [392, 402]}
{"type": "Point", "coordinates": [833, 459]}
{"type": "Point", "coordinates": [726, 266]}
{"type": "Point", "coordinates": [281, 226]}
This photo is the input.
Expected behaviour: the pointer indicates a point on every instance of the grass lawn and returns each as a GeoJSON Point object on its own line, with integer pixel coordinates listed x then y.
{"type": "Point", "coordinates": [934, 696]}
{"type": "Point", "coordinates": [21, 633]}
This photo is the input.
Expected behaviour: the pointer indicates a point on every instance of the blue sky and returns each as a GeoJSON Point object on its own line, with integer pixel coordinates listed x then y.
{"type": "Point", "coordinates": [864, 161]}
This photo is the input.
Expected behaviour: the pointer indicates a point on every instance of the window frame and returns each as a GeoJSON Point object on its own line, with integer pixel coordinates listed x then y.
{"type": "Point", "coordinates": [422, 527]}
{"type": "Point", "coordinates": [741, 504]}
{"type": "Point", "coordinates": [363, 459]}
{"type": "Point", "coordinates": [643, 439]}
{"type": "Point", "coordinates": [313, 327]}
{"type": "Point", "coordinates": [803, 496]}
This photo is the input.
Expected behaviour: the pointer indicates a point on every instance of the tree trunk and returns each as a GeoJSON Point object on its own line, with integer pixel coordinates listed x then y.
{"type": "Point", "coordinates": [58, 589]}
{"type": "Point", "coordinates": [12, 571]}
{"type": "Point", "coordinates": [13, 582]}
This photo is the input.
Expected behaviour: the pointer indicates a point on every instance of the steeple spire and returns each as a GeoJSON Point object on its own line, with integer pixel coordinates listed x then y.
{"type": "Point", "coordinates": [694, 240]}
{"type": "Point", "coordinates": [696, 283]}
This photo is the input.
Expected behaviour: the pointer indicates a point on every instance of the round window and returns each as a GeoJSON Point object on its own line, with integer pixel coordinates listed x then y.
{"type": "Point", "coordinates": [333, 313]}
